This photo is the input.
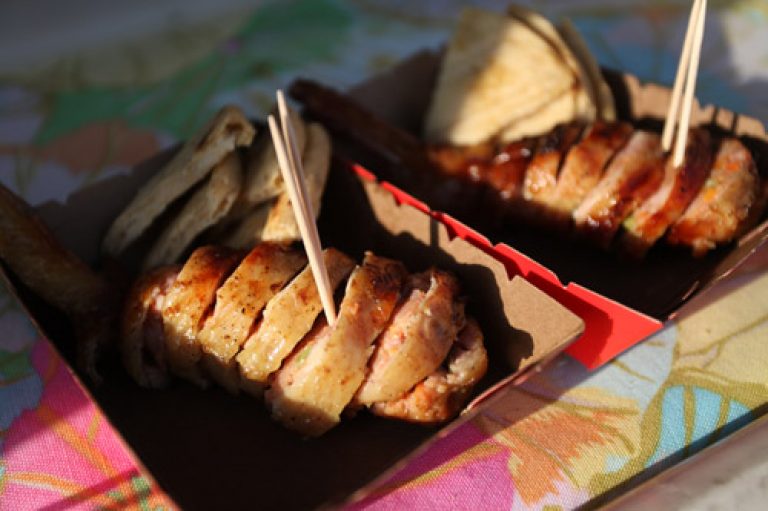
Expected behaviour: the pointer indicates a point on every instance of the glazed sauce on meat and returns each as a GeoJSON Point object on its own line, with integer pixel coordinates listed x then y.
{"type": "Point", "coordinates": [633, 175]}
{"type": "Point", "coordinates": [678, 189]}
{"type": "Point", "coordinates": [586, 162]}
{"type": "Point", "coordinates": [541, 177]}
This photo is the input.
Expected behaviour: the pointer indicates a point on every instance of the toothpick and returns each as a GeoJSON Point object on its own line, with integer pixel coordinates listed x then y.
{"type": "Point", "coordinates": [682, 66]}
{"type": "Point", "coordinates": [302, 210]}
{"type": "Point", "coordinates": [690, 86]}
{"type": "Point", "coordinates": [685, 85]}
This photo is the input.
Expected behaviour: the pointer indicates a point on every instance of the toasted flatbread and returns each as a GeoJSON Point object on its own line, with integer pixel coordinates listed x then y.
{"type": "Point", "coordinates": [514, 75]}
{"type": "Point", "coordinates": [263, 180]}
{"type": "Point", "coordinates": [281, 224]}
{"type": "Point", "coordinates": [572, 105]}
{"type": "Point", "coordinates": [204, 208]}
{"type": "Point", "coordinates": [226, 131]}
{"type": "Point", "coordinates": [248, 231]}
{"type": "Point", "coordinates": [496, 69]}
{"type": "Point", "coordinates": [598, 88]}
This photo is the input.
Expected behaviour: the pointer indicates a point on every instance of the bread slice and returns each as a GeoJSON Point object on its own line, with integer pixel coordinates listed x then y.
{"type": "Point", "coordinates": [497, 69]}
{"type": "Point", "coordinates": [514, 75]}
{"type": "Point", "coordinates": [281, 226]}
{"type": "Point", "coordinates": [228, 130]}
{"type": "Point", "coordinates": [203, 209]}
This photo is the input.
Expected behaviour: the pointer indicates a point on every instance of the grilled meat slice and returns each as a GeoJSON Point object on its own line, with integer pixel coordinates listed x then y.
{"type": "Point", "coordinates": [418, 338]}
{"type": "Point", "coordinates": [541, 176]}
{"type": "Point", "coordinates": [680, 185]}
{"type": "Point", "coordinates": [631, 177]}
{"type": "Point", "coordinates": [311, 389]}
{"type": "Point", "coordinates": [495, 172]}
{"type": "Point", "coordinates": [142, 341]}
{"type": "Point", "coordinates": [186, 304]}
{"type": "Point", "coordinates": [504, 174]}
{"type": "Point", "coordinates": [457, 160]}
{"type": "Point", "coordinates": [584, 165]}
{"type": "Point", "coordinates": [730, 200]}
{"type": "Point", "coordinates": [441, 395]}
{"type": "Point", "coordinates": [286, 319]}
{"type": "Point", "coordinates": [239, 301]}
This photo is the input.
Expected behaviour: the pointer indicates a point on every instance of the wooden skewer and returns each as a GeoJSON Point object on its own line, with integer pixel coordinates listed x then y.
{"type": "Point", "coordinates": [677, 89]}
{"type": "Point", "coordinates": [690, 86]}
{"type": "Point", "coordinates": [302, 210]}
{"type": "Point", "coordinates": [685, 85]}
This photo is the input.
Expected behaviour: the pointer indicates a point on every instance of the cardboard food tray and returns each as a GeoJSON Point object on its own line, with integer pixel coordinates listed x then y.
{"type": "Point", "coordinates": [621, 301]}
{"type": "Point", "coordinates": [211, 450]}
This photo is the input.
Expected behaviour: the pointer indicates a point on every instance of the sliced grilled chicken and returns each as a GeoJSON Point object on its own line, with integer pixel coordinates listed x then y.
{"type": "Point", "coordinates": [726, 204]}
{"type": "Point", "coordinates": [584, 165]}
{"type": "Point", "coordinates": [311, 389]}
{"type": "Point", "coordinates": [418, 338]}
{"type": "Point", "coordinates": [142, 341]}
{"type": "Point", "coordinates": [680, 185]}
{"type": "Point", "coordinates": [541, 176]}
{"type": "Point", "coordinates": [286, 319]}
{"type": "Point", "coordinates": [239, 301]}
{"type": "Point", "coordinates": [455, 160]}
{"type": "Point", "coordinates": [505, 173]}
{"type": "Point", "coordinates": [187, 302]}
{"type": "Point", "coordinates": [442, 394]}
{"type": "Point", "coordinates": [631, 177]}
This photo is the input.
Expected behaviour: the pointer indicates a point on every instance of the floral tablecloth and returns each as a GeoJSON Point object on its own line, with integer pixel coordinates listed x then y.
{"type": "Point", "coordinates": [565, 438]}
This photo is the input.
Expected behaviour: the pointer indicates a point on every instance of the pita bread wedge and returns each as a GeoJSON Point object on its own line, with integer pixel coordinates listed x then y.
{"type": "Point", "coordinates": [281, 224]}
{"type": "Point", "coordinates": [497, 69]}
{"type": "Point", "coordinates": [578, 103]}
{"type": "Point", "coordinates": [204, 208]}
{"type": "Point", "coordinates": [227, 130]}
{"type": "Point", "coordinates": [571, 105]}
{"type": "Point", "coordinates": [249, 230]}
{"type": "Point", "coordinates": [262, 173]}
{"type": "Point", "coordinates": [598, 89]}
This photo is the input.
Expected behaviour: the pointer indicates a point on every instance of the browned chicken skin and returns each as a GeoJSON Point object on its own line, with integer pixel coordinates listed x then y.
{"type": "Point", "coordinates": [311, 372]}
{"type": "Point", "coordinates": [730, 198]}
{"type": "Point", "coordinates": [541, 176]}
{"type": "Point", "coordinates": [186, 304]}
{"type": "Point", "coordinates": [417, 340]}
{"type": "Point", "coordinates": [142, 340]}
{"type": "Point", "coordinates": [440, 396]}
{"type": "Point", "coordinates": [632, 176]}
{"type": "Point", "coordinates": [239, 301]}
{"type": "Point", "coordinates": [680, 185]}
{"type": "Point", "coordinates": [322, 383]}
{"type": "Point", "coordinates": [286, 320]}
{"type": "Point", "coordinates": [585, 163]}
{"type": "Point", "coordinates": [443, 176]}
